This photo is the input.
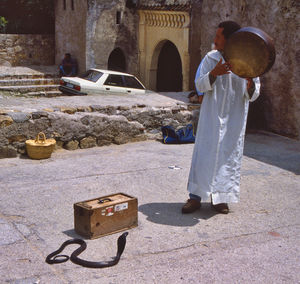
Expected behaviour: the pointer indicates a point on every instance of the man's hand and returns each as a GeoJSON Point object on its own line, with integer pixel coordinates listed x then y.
{"type": "Point", "coordinates": [250, 83]}
{"type": "Point", "coordinates": [221, 69]}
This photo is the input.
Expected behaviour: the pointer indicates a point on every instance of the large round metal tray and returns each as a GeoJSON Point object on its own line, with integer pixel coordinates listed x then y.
{"type": "Point", "coordinates": [250, 52]}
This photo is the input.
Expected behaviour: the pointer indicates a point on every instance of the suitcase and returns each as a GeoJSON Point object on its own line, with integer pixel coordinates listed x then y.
{"type": "Point", "coordinates": [105, 215]}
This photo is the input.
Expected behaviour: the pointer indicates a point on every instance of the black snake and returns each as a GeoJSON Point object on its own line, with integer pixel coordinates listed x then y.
{"type": "Point", "coordinates": [55, 257]}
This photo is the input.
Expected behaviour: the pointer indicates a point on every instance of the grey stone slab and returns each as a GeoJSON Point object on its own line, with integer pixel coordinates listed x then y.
{"type": "Point", "coordinates": [19, 117]}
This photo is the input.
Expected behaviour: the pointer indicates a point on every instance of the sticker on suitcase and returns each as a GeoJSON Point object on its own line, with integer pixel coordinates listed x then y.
{"type": "Point", "coordinates": [122, 206]}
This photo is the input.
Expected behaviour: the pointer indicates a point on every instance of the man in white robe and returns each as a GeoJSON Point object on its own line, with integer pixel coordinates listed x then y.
{"type": "Point", "coordinates": [218, 150]}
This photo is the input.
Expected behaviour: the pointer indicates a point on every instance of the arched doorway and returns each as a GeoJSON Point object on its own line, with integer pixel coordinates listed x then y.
{"type": "Point", "coordinates": [169, 69]}
{"type": "Point", "coordinates": [117, 60]}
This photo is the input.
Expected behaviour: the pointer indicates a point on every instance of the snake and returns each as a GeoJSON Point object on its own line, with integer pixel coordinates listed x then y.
{"type": "Point", "coordinates": [55, 257]}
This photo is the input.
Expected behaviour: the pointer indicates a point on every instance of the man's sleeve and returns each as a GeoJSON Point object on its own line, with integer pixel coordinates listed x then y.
{"type": "Point", "coordinates": [252, 95]}
{"type": "Point", "coordinates": [202, 82]}
{"type": "Point", "coordinates": [196, 78]}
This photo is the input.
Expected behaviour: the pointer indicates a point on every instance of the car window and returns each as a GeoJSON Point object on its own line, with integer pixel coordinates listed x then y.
{"type": "Point", "coordinates": [92, 75]}
{"type": "Point", "coordinates": [114, 80]}
{"type": "Point", "coordinates": [132, 82]}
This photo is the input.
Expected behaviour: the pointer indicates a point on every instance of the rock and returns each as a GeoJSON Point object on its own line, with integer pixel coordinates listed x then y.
{"type": "Point", "coordinates": [39, 114]}
{"type": "Point", "coordinates": [19, 117]}
{"type": "Point", "coordinates": [96, 108]}
{"type": "Point", "coordinates": [3, 111]}
{"type": "Point", "coordinates": [59, 145]}
{"type": "Point", "coordinates": [5, 121]}
{"type": "Point", "coordinates": [48, 109]}
{"type": "Point", "coordinates": [84, 109]}
{"type": "Point", "coordinates": [72, 145]}
{"type": "Point", "coordinates": [88, 142]}
{"type": "Point", "coordinates": [18, 48]}
{"type": "Point", "coordinates": [103, 142]}
{"type": "Point", "coordinates": [8, 152]}
{"type": "Point", "coordinates": [123, 108]}
{"type": "Point", "coordinates": [17, 138]}
{"type": "Point", "coordinates": [68, 110]}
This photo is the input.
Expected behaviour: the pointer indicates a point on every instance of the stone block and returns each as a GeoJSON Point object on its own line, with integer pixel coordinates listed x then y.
{"type": "Point", "coordinates": [88, 142]}
{"type": "Point", "coordinates": [68, 110]}
{"type": "Point", "coordinates": [18, 48]}
{"type": "Point", "coordinates": [19, 117]}
{"type": "Point", "coordinates": [59, 145]}
{"type": "Point", "coordinates": [48, 109]}
{"type": "Point", "coordinates": [39, 114]}
{"type": "Point", "coordinates": [84, 109]}
{"type": "Point", "coordinates": [17, 138]}
{"type": "Point", "coordinates": [8, 152]}
{"type": "Point", "coordinates": [97, 108]}
{"type": "Point", "coordinates": [3, 111]}
{"type": "Point", "coordinates": [5, 121]}
{"type": "Point", "coordinates": [72, 145]}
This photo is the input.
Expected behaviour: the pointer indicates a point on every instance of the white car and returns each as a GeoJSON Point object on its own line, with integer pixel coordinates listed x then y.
{"type": "Point", "coordinates": [97, 81]}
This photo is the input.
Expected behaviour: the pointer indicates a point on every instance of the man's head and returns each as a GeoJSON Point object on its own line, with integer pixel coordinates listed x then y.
{"type": "Point", "coordinates": [224, 31]}
{"type": "Point", "coordinates": [68, 56]}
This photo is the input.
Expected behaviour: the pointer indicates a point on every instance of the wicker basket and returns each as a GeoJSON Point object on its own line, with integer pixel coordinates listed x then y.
{"type": "Point", "coordinates": [40, 148]}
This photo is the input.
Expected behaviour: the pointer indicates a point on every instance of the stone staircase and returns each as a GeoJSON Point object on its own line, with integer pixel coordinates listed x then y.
{"type": "Point", "coordinates": [30, 83]}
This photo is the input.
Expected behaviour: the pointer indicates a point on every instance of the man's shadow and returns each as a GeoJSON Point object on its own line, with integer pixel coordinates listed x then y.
{"type": "Point", "coordinates": [170, 214]}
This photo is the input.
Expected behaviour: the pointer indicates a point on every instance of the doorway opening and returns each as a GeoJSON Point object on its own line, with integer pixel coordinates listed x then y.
{"type": "Point", "coordinates": [169, 69]}
{"type": "Point", "coordinates": [117, 61]}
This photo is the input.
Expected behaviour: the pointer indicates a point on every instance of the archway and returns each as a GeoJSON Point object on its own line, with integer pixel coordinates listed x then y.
{"type": "Point", "coordinates": [169, 69]}
{"type": "Point", "coordinates": [117, 61]}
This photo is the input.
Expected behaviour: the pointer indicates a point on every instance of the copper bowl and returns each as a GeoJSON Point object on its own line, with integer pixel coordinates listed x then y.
{"type": "Point", "coordinates": [250, 52]}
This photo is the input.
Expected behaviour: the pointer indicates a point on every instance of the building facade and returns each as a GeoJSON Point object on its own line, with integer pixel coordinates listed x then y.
{"type": "Point", "coordinates": [162, 42]}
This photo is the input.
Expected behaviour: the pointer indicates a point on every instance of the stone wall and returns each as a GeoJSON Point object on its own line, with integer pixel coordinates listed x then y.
{"type": "Point", "coordinates": [89, 126]}
{"type": "Point", "coordinates": [278, 108]}
{"type": "Point", "coordinates": [24, 50]}
{"type": "Point", "coordinates": [104, 34]}
{"type": "Point", "coordinates": [70, 31]}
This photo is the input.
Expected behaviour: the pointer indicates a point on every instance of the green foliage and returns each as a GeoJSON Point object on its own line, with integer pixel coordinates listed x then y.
{"type": "Point", "coordinates": [3, 23]}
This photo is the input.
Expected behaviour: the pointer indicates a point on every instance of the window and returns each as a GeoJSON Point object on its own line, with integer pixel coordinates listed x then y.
{"type": "Point", "coordinates": [118, 18]}
{"type": "Point", "coordinates": [65, 4]}
{"type": "Point", "coordinates": [92, 75]}
{"type": "Point", "coordinates": [114, 80]}
{"type": "Point", "coordinates": [132, 82]}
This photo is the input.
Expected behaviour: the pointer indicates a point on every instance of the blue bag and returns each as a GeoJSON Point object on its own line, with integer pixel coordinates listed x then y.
{"type": "Point", "coordinates": [183, 135]}
{"type": "Point", "coordinates": [169, 135]}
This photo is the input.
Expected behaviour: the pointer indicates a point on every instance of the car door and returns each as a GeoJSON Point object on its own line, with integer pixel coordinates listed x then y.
{"type": "Point", "coordinates": [132, 85]}
{"type": "Point", "coordinates": [114, 84]}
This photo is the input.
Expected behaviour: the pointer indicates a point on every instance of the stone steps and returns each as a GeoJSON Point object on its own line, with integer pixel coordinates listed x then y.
{"type": "Point", "coordinates": [27, 76]}
{"type": "Point", "coordinates": [30, 84]}
{"type": "Point", "coordinates": [30, 89]}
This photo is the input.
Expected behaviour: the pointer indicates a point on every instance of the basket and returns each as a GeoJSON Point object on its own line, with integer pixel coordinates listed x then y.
{"type": "Point", "coordinates": [40, 148]}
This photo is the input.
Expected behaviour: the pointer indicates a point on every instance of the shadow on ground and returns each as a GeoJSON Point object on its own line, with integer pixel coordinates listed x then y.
{"type": "Point", "coordinates": [170, 214]}
{"type": "Point", "coordinates": [273, 149]}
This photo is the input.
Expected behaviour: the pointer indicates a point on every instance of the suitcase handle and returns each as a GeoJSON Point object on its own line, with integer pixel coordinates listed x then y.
{"type": "Point", "coordinates": [104, 200]}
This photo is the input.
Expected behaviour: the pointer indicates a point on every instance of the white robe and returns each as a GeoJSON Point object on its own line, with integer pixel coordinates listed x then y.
{"type": "Point", "coordinates": [218, 150]}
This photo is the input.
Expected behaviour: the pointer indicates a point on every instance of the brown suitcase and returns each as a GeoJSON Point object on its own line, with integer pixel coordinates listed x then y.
{"type": "Point", "coordinates": [105, 215]}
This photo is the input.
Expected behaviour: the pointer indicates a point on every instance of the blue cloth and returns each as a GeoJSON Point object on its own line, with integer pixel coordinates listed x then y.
{"type": "Point", "coordinates": [64, 73]}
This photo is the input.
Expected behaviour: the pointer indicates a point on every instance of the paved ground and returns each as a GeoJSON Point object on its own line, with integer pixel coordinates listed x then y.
{"type": "Point", "coordinates": [258, 242]}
